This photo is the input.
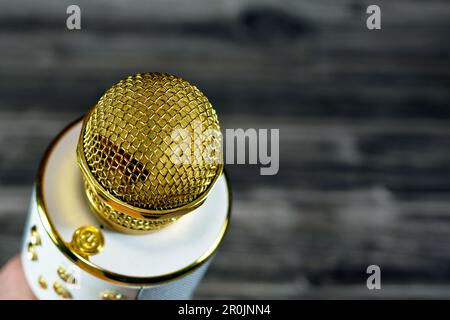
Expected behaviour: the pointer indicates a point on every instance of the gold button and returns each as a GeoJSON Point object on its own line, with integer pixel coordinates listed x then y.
{"type": "Point", "coordinates": [87, 241]}
{"type": "Point", "coordinates": [61, 291]}
{"type": "Point", "coordinates": [112, 295]}
{"type": "Point", "coordinates": [66, 276]}
{"type": "Point", "coordinates": [42, 282]}
{"type": "Point", "coordinates": [32, 254]}
{"type": "Point", "coordinates": [35, 236]}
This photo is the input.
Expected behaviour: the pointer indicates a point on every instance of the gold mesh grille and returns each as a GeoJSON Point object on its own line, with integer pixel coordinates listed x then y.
{"type": "Point", "coordinates": [127, 142]}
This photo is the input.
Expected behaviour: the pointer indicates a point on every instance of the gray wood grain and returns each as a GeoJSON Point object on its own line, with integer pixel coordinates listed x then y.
{"type": "Point", "coordinates": [364, 121]}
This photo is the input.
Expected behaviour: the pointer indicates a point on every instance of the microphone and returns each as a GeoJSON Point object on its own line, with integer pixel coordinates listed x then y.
{"type": "Point", "coordinates": [131, 201]}
{"type": "Point", "coordinates": [125, 152]}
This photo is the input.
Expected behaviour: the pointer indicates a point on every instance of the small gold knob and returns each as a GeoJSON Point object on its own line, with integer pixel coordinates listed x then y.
{"type": "Point", "coordinates": [87, 241]}
{"type": "Point", "coordinates": [35, 236]}
{"type": "Point", "coordinates": [32, 254]}
{"type": "Point", "coordinates": [112, 295]}
{"type": "Point", "coordinates": [42, 282]}
{"type": "Point", "coordinates": [66, 276]}
{"type": "Point", "coordinates": [61, 291]}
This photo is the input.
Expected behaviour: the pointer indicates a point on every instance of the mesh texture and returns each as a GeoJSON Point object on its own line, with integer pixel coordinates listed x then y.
{"type": "Point", "coordinates": [129, 147]}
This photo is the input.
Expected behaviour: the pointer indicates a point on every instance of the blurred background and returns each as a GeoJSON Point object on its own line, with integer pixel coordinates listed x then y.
{"type": "Point", "coordinates": [364, 119]}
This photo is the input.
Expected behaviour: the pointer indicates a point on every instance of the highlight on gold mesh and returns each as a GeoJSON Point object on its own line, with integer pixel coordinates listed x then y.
{"type": "Point", "coordinates": [131, 146]}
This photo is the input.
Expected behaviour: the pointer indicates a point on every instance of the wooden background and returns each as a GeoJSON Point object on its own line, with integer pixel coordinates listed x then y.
{"type": "Point", "coordinates": [364, 119]}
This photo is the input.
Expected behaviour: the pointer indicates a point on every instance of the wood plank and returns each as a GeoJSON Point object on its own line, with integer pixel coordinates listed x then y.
{"type": "Point", "coordinates": [363, 119]}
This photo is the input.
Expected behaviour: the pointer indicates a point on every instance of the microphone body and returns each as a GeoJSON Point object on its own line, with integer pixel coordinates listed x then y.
{"type": "Point", "coordinates": [70, 252]}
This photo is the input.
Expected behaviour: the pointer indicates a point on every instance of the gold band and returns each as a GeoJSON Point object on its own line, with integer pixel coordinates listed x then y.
{"type": "Point", "coordinates": [119, 220]}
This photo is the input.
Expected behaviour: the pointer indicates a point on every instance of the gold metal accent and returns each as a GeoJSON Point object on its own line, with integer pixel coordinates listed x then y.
{"type": "Point", "coordinates": [118, 220]}
{"type": "Point", "coordinates": [32, 254]}
{"type": "Point", "coordinates": [87, 241]}
{"type": "Point", "coordinates": [42, 282]}
{"type": "Point", "coordinates": [35, 237]}
{"type": "Point", "coordinates": [126, 152]}
{"type": "Point", "coordinates": [112, 295]}
{"type": "Point", "coordinates": [61, 291]}
{"type": "Point", "coordinates": [66, 276]}
{"type": "Point", "coordinates": [94, 269]}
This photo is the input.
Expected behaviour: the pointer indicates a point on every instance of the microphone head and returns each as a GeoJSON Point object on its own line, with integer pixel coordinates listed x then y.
{"type": "Point", "coordinates": [130, 148]}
